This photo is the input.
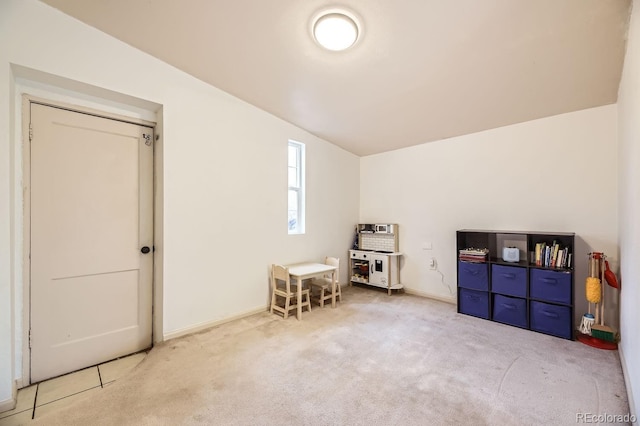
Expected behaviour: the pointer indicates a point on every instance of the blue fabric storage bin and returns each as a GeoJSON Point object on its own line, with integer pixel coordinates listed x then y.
{"type": "Point", "coordinates": [510, 310]}
{"type": "Point", "coordinates": [551, 319]}
{"type": "Point", "coordinates": [474, 276]}
{"type": "Point", "coordinates": [509, 280]}
{"type": "Point", "coordinates": [474, 303]}
{"type": "Point", "coordinates": [553, 286]}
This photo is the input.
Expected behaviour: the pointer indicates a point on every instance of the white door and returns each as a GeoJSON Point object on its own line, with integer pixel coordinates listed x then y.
{"type": "Point", "coordinates": [91, 188]}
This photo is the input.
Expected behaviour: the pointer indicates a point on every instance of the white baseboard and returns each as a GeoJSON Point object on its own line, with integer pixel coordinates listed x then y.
{"type": "Point", "coordinates": [20, 383]}
{"type": "Point", "coordinates": [450, 300]}
{"type": "Point", "coordinates": [627, 383]}
{"type": "Point", "coordinates": [7, 404]}
{"type": "Point", "coordinates": [10, 404]}
{"type": "Point", "coordinates": [209, 324]}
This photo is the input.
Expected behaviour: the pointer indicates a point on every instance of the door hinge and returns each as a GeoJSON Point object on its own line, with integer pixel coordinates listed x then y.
{"type": "Point", "coordinates": [30, 132]}
{"type": "Point", "coordinates": [29, 338]}
{"type": "Point", "coordinates": [147, 138]}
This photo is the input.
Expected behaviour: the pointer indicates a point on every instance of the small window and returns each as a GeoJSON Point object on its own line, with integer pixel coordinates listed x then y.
{"type": "Point", "coordinates": [295, 211]}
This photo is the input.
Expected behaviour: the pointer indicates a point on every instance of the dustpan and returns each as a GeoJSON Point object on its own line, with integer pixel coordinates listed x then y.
{"type": "Point", "coordinates": [609, 276]}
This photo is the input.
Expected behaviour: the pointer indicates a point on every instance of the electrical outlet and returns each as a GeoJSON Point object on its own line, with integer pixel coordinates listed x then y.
{"type": "Point", "coordinates": [432, 263]}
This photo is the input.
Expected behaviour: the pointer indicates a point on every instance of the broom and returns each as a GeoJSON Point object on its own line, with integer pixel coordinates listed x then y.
{"type": "Point", "coordinates": [601, 331]}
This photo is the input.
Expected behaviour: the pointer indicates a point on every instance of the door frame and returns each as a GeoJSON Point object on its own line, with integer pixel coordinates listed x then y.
{"type": "Point", "coordinates": [156, 299]}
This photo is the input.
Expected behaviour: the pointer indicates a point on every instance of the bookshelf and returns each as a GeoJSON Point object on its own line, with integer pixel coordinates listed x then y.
{"type": "Point", "coordinates": [536, 292]}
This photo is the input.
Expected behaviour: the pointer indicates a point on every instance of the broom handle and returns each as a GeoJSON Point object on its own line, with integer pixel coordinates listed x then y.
{"type": "Point", "coordinates": [591, 274]}
{"type": "Point", "coordinates": [602, 287]}
{"type": "Point", "coordinates": [593, 264]}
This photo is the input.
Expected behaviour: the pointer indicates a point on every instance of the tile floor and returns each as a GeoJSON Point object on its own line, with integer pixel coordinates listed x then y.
{"type": "Point", "coordinates": [43, 397]}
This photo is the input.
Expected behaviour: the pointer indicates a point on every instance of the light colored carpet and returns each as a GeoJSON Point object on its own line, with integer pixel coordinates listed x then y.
{"type": "Point", "coordinates": [374, 360]}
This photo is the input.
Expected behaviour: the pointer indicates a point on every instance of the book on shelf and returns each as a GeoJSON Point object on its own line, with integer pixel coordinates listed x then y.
{"type": "Point", "coordinates": [552, 255]}
{"type": "Point", "coordinates": [561, 261]}
{"type": "Point", "coordinates": [473, 254]}
{"type": "Point", "coordinates": [558, 261]}
{"type": "Point", "coordinates": [548, 255]}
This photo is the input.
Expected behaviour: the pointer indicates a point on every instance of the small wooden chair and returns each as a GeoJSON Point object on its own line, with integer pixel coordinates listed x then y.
{"type": "Point", "coordinates": [281, 287]}
{"type": "Point", "coordinates": [324, 284]}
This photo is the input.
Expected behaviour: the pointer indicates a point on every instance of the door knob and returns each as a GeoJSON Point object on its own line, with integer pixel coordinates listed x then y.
{"type": "Point", "coordinates": [145, 250]}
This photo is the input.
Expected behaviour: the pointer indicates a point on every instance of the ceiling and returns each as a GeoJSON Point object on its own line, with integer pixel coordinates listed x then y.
{"type": "Point", "coordinates": [422, 70]}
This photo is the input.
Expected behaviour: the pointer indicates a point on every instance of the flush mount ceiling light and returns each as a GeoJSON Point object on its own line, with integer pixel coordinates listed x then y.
{"type": "Point", "coordinates": [335, 30]}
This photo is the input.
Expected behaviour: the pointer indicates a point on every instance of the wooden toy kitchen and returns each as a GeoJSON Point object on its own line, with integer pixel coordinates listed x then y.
{"type": "Point", "coordinates": [376, 260]}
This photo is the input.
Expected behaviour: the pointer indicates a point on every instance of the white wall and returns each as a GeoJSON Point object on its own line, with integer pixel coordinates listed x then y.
{"type": "Point", "coordinates": [557, 174]}
{"type": "Point", "coordinates": [629, 202]}
{"type": "Point", "coordinates": [224, 178]}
